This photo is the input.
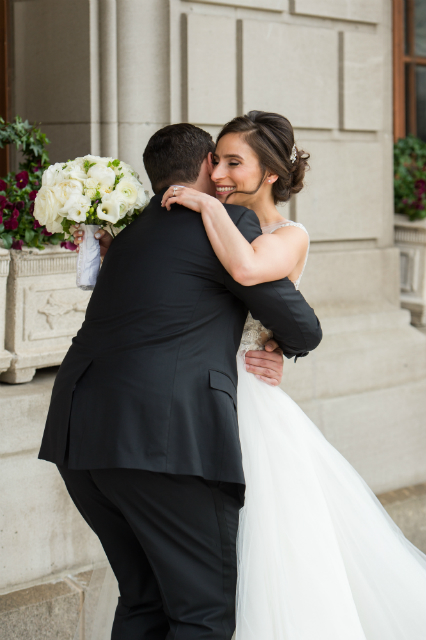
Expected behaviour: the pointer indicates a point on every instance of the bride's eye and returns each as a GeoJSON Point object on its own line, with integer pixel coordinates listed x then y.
{"type": "Point", "coordinates": [234, 164]}
{"type": "Point", "coordinates": [214, 161]}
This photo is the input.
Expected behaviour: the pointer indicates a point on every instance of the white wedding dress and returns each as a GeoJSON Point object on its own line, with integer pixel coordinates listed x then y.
{"type": "Point", "coordinates": [318, 556]}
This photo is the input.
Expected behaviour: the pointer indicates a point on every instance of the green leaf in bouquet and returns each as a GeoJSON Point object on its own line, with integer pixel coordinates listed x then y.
{"type": "Point", "coordinates": [114, 163]}
{"type": "Point", "coordinates": [1, 227]}
{"type": "Point", "coordinates": [88, 164]}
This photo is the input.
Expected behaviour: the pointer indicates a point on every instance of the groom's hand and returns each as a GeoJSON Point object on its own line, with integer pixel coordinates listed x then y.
{"type": "Point", "coordinates": [266, 365]}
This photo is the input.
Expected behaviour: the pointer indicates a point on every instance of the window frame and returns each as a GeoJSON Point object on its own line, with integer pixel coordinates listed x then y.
{"type": "Point", "coordinates": [4, 79]}
{"type": "Point", "coordinates": [403, 83]}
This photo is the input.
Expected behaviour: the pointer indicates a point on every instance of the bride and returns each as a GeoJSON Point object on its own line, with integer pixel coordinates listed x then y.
{"type": "Point", "coordinates": [318, 556]}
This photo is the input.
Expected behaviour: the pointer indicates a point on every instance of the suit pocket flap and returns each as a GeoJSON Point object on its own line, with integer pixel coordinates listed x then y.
{"type": "Point", "coordinates": [222, 382]}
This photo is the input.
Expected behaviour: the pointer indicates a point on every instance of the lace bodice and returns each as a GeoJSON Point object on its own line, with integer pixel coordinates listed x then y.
{"type": "Point", "coordinates": [255, 334]}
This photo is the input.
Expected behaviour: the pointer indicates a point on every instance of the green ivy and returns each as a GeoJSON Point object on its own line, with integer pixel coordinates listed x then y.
{"type": "Point", "coordinates": [410, 177]}
{"type": "Point", "coordinates": [18, 190]}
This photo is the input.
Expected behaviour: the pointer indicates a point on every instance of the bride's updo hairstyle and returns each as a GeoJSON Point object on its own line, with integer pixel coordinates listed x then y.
{"type": "Point", "coordinates": [271, 137]}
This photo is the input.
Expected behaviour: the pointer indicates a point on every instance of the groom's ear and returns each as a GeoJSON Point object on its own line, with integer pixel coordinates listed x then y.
{"type": "Point", "coordinates": [210, 165]}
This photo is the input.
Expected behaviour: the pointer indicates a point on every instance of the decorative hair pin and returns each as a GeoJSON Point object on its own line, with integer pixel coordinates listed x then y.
{"type": "Point", "coordinates": [293, 156]}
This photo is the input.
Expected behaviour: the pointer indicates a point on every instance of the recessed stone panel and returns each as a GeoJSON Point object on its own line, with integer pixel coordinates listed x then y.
{"type": "Point", "coordinates": [143, 61]}
{"type": "Point", "coordinates": [363, 60]}
{"type": "Point", "coordinates": [265, 5]}
{"type": "Point", "coordinates": [358, 10]}
{"type": "Point", "coordinates": [291, 70]}
{"type": "Point", "coordinates": [211, 72]}
{"type": "Point", "coordinates": [343, 196]}
{"type": "Point", "coordinates": [52, 60]}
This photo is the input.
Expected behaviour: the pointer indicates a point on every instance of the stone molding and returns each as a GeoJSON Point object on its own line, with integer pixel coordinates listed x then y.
{"type": "Point", "coordinates": [35, 262]}
{"type": "Point", "coordinates": [410, 238]}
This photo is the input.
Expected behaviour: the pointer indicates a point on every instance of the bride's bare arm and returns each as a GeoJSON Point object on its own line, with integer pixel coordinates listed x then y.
{"type": "Point", "coordinates": [269, 257]}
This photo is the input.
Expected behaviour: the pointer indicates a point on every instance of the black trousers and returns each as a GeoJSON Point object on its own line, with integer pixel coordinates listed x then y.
{"type": "Point", "coordinates": [171, 542]}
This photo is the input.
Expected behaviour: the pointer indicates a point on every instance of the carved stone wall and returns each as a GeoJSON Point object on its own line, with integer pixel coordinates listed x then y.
{"type": "Point", "coordinates": [44, 310]}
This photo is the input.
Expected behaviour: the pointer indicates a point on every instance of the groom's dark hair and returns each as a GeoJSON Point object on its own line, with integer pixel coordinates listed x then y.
{"type": "Point", "coordinates": [175, 154]}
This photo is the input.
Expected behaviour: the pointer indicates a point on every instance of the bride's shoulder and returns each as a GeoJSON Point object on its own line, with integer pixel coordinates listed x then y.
{"type": "Point", "coordinates": [294, 233]}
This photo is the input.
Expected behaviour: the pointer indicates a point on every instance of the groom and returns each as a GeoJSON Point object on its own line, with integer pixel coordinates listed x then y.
{"type": "Point", "coordinates": [143, 422]}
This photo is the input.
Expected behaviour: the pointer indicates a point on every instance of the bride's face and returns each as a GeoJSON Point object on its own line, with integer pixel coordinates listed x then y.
{"type": "Point", "coordinates": [236, 168]}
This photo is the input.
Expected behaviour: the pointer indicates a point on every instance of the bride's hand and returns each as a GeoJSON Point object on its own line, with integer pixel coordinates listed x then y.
{"type": "Point", "coordinates": [103, 236]}
{"type": "Point", "coordinates": [187, 197]}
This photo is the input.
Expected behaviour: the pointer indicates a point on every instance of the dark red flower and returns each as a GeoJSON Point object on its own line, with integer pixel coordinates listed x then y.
{"type": "Point", "coordinates": [17, 244]}
{"type": "Point", "coordinates": [420, 185]}
{"type": "Point", "coordinates": [69, 245]}
{"type": "Point", "coordinates": [45, 232]}
{"type": "Point", "coordinates": [36, 224]}
{"type": "Point", "coordinates": [22, 179]}
{"type": "Point", "coordinates": [3, 201]}
{"type": "Point", "coordinates": [32, 207]}
{"type": "Point", "coordinates": [1, 216]}
{"type": "Point", "coordinates": [15, 214]}
{"type": "Point", "coordinates": [9, 205]}
{"type": "Point", "coordinates": [11, 224]}
{"type": "Point", "coordinates": [19, 205]}
{"type": "Point", "coordinates": [3, 185]}
{"type": "Point", "coordinates": [33, 194]}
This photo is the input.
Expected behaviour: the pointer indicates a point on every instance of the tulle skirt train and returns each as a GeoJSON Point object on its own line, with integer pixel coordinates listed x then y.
{"type": "Point", "coordinates": [318, 556]}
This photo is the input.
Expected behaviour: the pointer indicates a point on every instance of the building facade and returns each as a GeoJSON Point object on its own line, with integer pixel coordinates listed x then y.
{"type": "Point", "coordinates": [102, 76]}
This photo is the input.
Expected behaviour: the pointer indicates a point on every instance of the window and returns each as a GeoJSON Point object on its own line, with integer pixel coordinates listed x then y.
{"type": "Point", "coordinates": [4, 85]}
{"type": "Point", "coordinates": [409, 34]}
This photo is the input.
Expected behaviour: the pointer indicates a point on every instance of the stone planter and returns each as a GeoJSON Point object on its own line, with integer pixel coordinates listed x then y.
{"type": "Point", "coordinates": [410, 238]}
{"type": "Point", "coordinates": [5, 356]}
{"type": "Point", "coordinates": [44, 310]}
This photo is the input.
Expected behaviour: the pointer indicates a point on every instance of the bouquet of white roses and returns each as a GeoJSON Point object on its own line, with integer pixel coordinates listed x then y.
{"type": "Point", "coordinates": [94, 192]}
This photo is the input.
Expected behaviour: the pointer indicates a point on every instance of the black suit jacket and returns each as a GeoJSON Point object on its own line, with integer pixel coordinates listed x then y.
{"type": "Point", "coordinates": [150, 379]}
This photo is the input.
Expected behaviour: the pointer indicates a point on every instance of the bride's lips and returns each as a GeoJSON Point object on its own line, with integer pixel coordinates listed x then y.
{"type": "Point", "coordinates": [224, 190]}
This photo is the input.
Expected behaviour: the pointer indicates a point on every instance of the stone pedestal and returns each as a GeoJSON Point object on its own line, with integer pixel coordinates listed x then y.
{"type": "Point", "coordinates": [5, 356]}
{"type": "Point", "coordinates": [410, 237]}
{"type": "Point", "coordinates": [44, 310]}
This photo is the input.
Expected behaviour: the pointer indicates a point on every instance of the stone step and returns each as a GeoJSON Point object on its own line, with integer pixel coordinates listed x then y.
{"type": "Point", "coordinates": [358, 353]}
{"type": "Point", "coordinates": [51, 611]}
{"type": "Point", "coordinates": [380, 432]}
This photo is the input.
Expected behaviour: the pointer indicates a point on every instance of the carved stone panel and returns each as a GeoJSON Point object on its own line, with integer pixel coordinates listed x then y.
{"type": "Point", "coordinates": [44, 310]}
{"type": "Point", "coordinates": [410, 238]}
{"type": "Point", "coordinates": [5, 356]}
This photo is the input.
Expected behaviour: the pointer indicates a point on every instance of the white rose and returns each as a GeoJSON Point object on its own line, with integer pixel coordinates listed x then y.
{"type": "Point", "coordinates": [96, 160]}
{"type": "Point", "coordinates": [112, 208]}
{"type": "Point", "coordinates": [76, 207]}
{"type": "Point", "coordinates": [55, 226]}
{"type": "Point", "coordinates": [74, 171]}
{"type": "Point", "coordinates": [105, 176]}
{"type": "Point", "coordinates": [143, 197]}
{"type": "Point", "coordinates": [53, 175]}
{"type": "Point", "coordinates": [90, 188]}
{"type": "Point", "coordinates": [66, 189]}
{"type": "Point", "coordinates": [46, 209]}
{"type": "Point", "coordinates": [128, 189]}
